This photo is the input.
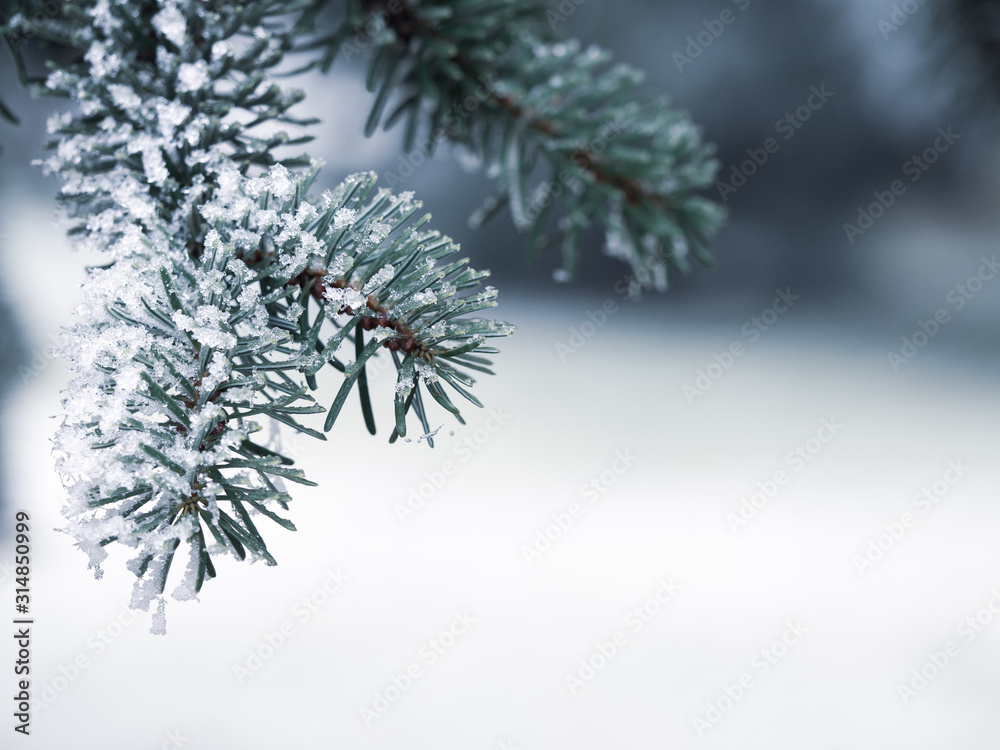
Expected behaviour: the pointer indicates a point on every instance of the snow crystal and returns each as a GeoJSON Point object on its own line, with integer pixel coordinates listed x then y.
{"type": "Point", "coordinates": [279, 184]}
{"type": "Point", "coordinates": [424, 298]}
{"type": "Point", "coordinates": [192, 76]}
{"type": "Point", "coordinates": [58, 80]}
{"type": "Point", "coordinates": [340, 265]}
{"type": "Point", "coordinates": [159, 625]}
{"type": "Point", "coordinates": [239, 269]}
{"type": "Point", "coordinates": [295, 311]}
{"type": "Point", "coordinates": [153, 164]}
{"type": "Point", "coordinates": [171, 24]}
{"type": "Point", "coordinates": [211, 282]}
{"type": "Point", "coordinates": [255, 187]}
{"type": "Point", "coordinates": [242, 395]}
{"type": "Point", "coordinates": [90, 107]}
{"type": "Point", "coordinates": [193, 133]}
{"type": "Point", "coordinates": [403, 387]}
{"type": "Point", "coordinates": [265, 219]}
{"type": "Point", "coordinates": [377, 281]}
{"type": "Point", "coordinates": [426, 372]}
{"type": "Point", "coordinates": [103, 18]}
{"type": "Point", "coordinates": [344, 297]}
{"type": "Point", "coordinates": [101, 63]}
{"type": "Point", "coordinates": [124, 96]}
{"type": "Point", "coordinates": [207, 327]}
{"type": "Point", "coordinates": [170, 115]}
{"type": "Point", "coordinates": [220, 50]}
{"type": "Point", "coordinates": [343, 217]}
{"type": "Point", "coordinates": [165, 59]}
{"type": "Point", "coordinates": [429, 435]}
{"type": "Point", "coordinates": [185, 590]}
{"type": "Point", "coordinates": [378, 231]}
{"type": "Point", "coordinates": [57, 121]}
{"type": "Point", "coordinates": [245, 240]}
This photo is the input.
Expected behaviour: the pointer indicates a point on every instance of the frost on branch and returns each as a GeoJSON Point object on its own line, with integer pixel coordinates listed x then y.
{"type": "Point", "coordinates": [170, 356]}
{"type": "Point", "coordinates": [227, 289]}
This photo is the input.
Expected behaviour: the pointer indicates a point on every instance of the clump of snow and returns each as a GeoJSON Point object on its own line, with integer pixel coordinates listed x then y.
{"type": "Point", "coordinates": [343, 218]}
{"type": "Point", "coordinates": [379, 279]}
{"type": "Point", "coordinates": [192, 76]}
{"type": "Point", "coordinates": [344, 297]}
{"type": "Point", "coordinates": [171, 24]}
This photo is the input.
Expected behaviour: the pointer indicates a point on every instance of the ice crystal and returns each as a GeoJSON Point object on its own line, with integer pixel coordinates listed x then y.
{"type": "Point", "coordinates": [380, 278]}
{"type": "Point", "coordinates": [192, 76]}
{"type": "Point", "coordinates": [343, 218]}
{"type": "Point", "coordinates": [171, 24]}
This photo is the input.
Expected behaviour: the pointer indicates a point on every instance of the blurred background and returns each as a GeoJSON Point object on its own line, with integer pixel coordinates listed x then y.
{"type": "Point", "coordinates": [651, 540]}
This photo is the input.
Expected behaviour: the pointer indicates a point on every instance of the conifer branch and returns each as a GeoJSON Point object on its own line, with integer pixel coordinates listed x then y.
{"type": "Point", "coordinates": [229, 287]}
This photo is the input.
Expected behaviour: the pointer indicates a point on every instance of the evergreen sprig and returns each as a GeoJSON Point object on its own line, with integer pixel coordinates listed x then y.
{"type": "Point", "coordinates": [565, 132]}
{"type": "Point", "coordinates": [569, 136]}
{"type": "Point", "coordinates": [229, 286]}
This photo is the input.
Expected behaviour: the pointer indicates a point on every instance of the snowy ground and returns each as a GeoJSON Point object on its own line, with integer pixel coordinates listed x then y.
{"type": "Point", "coordinates": [435, 631]}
